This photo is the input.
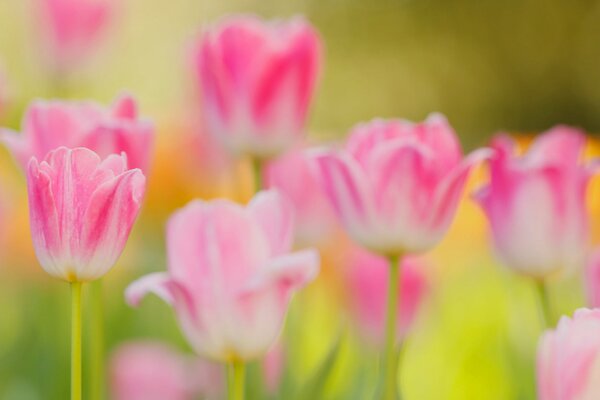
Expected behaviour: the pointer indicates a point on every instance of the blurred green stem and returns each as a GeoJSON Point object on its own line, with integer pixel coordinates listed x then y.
{"type": "Point", "coordinates": [257, 169]}
{"type": "Point", "coordinates": [97, 383]}
{"type": "Point", "coordinates": [389, 357]}
{"type": "Point", "coordinates": [545, 309]}
{"type": "Point", "coordinates": [75, 340]}
{"type": "Point", "coordinates": [235, 380]}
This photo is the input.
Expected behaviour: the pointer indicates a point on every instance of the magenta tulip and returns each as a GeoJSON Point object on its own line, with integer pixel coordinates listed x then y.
{"type": "Point", "coordinates": [81, 209]}
{"type": "Point", "coordinates": [291, 174]}
{"type": "Point", "coordinates": [71, 29]}
{"type": "Point", "coordinates": [231, 274]}
{"type": "Point", "coordinates": [257, 81]}
{"type": "Point", "coordinates": [366, 279]}
{"type": "Point", "coordinates": [568, 361]}
{"type": "Point", "coordinates": [51, 124]}
{"type": "Point", "coordinates": [536, 203]}
{"type": "Point", "coordinates": [154, 371]}
{"type": "Point", "coordinates": [396, 184]}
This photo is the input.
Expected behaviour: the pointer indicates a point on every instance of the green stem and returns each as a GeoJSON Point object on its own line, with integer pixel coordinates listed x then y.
{"type": "Point", "coordinates": [98, 382]}
{"type": "Point", "coordinates": [235, 380]}
{"type": "Point", "coordinates": [257, 169]}
{"type": "Point", "coordinates": [75, 340]}
{"type": "Point", "coordinates": [545, 309]}
{"type": "Point", "coordinates": [389, 364]}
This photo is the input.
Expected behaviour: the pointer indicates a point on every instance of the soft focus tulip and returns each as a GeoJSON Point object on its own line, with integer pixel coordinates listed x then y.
{"type": "Point", "coordinates": [71, 28]}
{"type": "Point", "coordinates": [231, 274]}
{"type": "Point", "coordinates": [154, 371]}
{"type": "Point", "coordinates": [396, 184]}
{"type": "Point", "coordinates": [81, 211]}
{"type": "Point", "coordinates": [592, 280]}
{"type": "Point", "coordinates": [291, 174]}
{"type": "Point", "coordinates": [51, 124]}
{"type": "Point", "coordinates": [366, 279]}
{"type": "Point", "coordinates": [568, 362]}
{"type": "Point", "coordinates": [273, 367]}
{"type": "Point", "coordinates": [257, 81]}
{"type": "Point", "coordinates": [536, 203]}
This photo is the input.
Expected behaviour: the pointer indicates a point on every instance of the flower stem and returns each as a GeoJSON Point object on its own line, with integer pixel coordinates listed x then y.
{"type": "Point", "coordinates": [257, 169]}
{"type": "Point", "coordinates": [75, 340]}
{"type": "Point", "coordinates": [235, 380]}
{"type": "Point", "coordinates": [97, 383]}
{"type": "Point", "coordinates": [545, 309]}
{"type": "Point", "coordinates": [389, 357]}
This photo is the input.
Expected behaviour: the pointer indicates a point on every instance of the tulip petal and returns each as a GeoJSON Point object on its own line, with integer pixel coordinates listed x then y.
{"type": "Point", "coordinates": [276, 217]}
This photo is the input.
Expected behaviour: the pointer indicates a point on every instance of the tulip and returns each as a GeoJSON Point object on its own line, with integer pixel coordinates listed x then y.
{"type": "Point", "coordinates": [71, 29]}
{"type": "Point", "coordinates": [366, 279]}
{"type": "Point", "coordinates": [81, 211]}
{"type": "Point", "coordinates": [231, 276]}
{"type": "Point", "coordinates": [592, 280]}
{"type": "Point", "coordinates": [396, 185]}
{"type": "Point", "coordinates": [153, 371]}
{"type": "Point", "coordinates": [535, 203]}
{"type": "Point", "coordinates": [257, 81]}
{"type": "Point", "coordinates": [291, 174]}
{"type": "Point", "coordinates": [51, 124]}
{"type": "Point", "coordinates": [568, 359]}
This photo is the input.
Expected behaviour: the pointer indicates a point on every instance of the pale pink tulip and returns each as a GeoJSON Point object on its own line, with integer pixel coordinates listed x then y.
{"type": "Point", "coordinates": [291, 174]}
{"type": "Point", "coordinates": [71, 29]}
{"type": "Point", "coordinates": [396, 184]}
{"type": "Point", "coordinates": [257, 81]}
{"type": "Point", "coordinates": [366, 279]}
{"type": "Point", "coordinates": [592, 280]}
{"type": "Point", "coordinates": [273, 366]}
{"type": "Point", "coordinates": [568, 362]}
{"type": "Point", "coordinates": [81, 211]}
{"type": "Point", "coordinates": [535, 203]}
{"type": "Point", "coordinates": [51, 124]}
{"type": "Point", "coordinates": [231, 274]}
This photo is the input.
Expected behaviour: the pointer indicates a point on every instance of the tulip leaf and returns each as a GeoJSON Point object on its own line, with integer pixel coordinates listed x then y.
{"type": "Point", "coordinates": [315, 385]}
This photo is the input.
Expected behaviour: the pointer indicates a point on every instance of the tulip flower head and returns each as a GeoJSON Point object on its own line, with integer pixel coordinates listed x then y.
{"type": "Point", "coordinates": [154, 371]}
{"type": "Point", "coordinates": [257, 81]}
{"type": "Point", "coordinates": [536, 203]}
{"type": "Point", "coordinates": [231, 274]}
{"type": "Point", "coordinates": [51, 124]}
{"type": "Point", "coordinates": [72, 28]}
{"type": "Point", "coordinates": [81, 209]}
{"type": "Point", "coordinates": [568, 359]}
{"type": "Point", "coordinates": [367, 279]}
{"type": "Point", "coordinates": [396, 185]}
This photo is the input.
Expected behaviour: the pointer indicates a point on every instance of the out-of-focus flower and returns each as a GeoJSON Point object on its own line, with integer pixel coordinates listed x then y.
{"type": "Point", "coordinates": [231, 275]}
{"type": "Point", "coordinates": [367, 279]}
{"type": "Point", "coordinates": [292, 175]}
{"type": "Point", "coordinates": [257, 81]}
{"type": "Point", "coordinates": [568, 362]}
{"type": "Point", "coordinates": [71, 28]}
{"type": "Point", "coordinates": [81, 211]}
{"type": "Point", "coordinates": [592, 280]}
{"type": "Point", "coordinates": [51, 124]}
{"type": "Point", "coordinates": [536, 203]}
{"type": "Point", "coordinates": [396, 184]}
{"type": "Point", "coordinates": [154, 371]}
{"type": "Point", "coordinates": [273, 366]}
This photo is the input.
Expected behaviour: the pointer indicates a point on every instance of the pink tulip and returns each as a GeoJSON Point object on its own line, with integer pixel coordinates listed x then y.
{"type": "Point", "coordinates": [231, 274]}
{"type": "Point", "coordinates": [71, 29]}
{"type": "Point", "coordinates": [592, 280]}
{"type": "Point", "coordinates": [396, 185]}
{"type": "Point", "coordinates": [366, 281]}
{"type": "Point", "coordinates": [568, 362]}
{"type": "Point", "coordinates": [153, 371]}
{"type": "Point", "coordinates": [291, 174]}
{"type": "Point", "coordinates": [535, 203]}
{"type": "Point", "coordinates": [81, 211]}
{"type": "Point", "coordinates": [257, 81]}
{"type": "Point", "coordinates": [51, 124]}
{"type": "Point", "coordinates": [273, 367]}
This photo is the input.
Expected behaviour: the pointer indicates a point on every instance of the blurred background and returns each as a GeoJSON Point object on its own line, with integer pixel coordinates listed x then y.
{"type": "Point", "coordinates": [515, 65]}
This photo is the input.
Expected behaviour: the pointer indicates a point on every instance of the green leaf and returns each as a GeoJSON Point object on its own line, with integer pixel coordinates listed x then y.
{"type": "Point", "coordinates": [315, 385]}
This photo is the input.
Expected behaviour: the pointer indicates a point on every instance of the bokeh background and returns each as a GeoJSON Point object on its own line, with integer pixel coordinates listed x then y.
{"type": "Point", "coordinates": [515, 65]}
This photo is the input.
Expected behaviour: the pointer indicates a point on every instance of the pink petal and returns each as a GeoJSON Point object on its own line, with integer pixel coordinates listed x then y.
{"type": "Point", "coordinates": [275, 216]}
{"type": "Point", "coordinates": [125, 107]}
